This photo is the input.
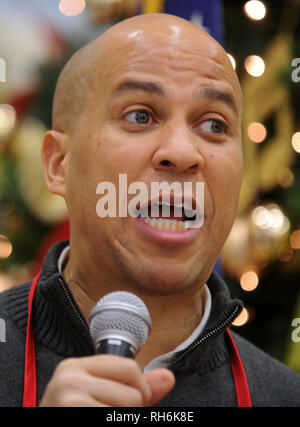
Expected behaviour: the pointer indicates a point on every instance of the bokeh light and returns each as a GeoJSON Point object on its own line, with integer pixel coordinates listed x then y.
{"type": "Point", "coordinates": [285, 177]}
{"type": "Point", "coordinates": [5, 247]}
{"type": "Point", "coordinates": [242, 318]}
{"type": "Point", "coordinates": [271, 219]}
{"type": "Point", "coordinates": [71, 7]}
{"type": "Point", "coordinates": [257, 132]}
{"type": "Point", "coordinates": [7, 119]}
{"type": "Point", "coordinates": [232, 60]}
{"type": "Point", "coordinates": [295, 239]}
{"type": "Point", "coordinates": [254, 65]}
{"type": "Point", "coordinates": [249, 281]}
{"type": "Point", "coordinates": [255, 10]}
{"type": "Point", "coordinates": [296, 142]}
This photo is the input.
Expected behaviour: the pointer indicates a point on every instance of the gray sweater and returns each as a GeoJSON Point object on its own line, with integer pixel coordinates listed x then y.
{"type": "Point", "coordinates": [203, 372]}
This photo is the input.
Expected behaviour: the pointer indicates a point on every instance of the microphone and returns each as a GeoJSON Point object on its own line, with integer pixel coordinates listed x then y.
{"type": "Point", "coordinates": [119, 324]}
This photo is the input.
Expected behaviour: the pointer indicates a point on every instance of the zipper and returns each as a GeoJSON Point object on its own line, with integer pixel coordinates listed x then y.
{"type": "Point", "coordinates": [226, 322]}
{"type": "Point", "coordinates": [70, 300]}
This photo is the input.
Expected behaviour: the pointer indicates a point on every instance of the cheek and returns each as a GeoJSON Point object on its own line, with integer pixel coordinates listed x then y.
{"type": "Point", "coordinates": [224, 175]}
{"type": "Point", "coordinates": [82, 182]}
{"type": "Point", "coordinates": [120, 153]}
{"type": "Point", "coordinates": [227, 166]}
{"type": "Point", "coordinates": [97, 159]}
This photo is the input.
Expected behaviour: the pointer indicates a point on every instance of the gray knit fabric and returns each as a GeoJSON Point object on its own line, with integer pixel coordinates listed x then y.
{"type": "Point", "coordinates": [203, 377]}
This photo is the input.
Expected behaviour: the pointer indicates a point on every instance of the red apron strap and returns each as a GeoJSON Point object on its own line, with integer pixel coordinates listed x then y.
{"type": "Point", "coordinates": [239, 375]}
{"type": "Point", "coordinates": [29, 396]}
{"type": "Point", "coordinates": [30, 381]}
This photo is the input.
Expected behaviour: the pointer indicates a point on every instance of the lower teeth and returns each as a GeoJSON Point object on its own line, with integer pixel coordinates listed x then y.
{"type": "Point", "coordinates": [166, 224]}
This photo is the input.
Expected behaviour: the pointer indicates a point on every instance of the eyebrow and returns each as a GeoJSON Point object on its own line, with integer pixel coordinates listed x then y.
{"type": "Point", "coordinates": [218, 95]}
{"type": "Point", "coordinates": [136, 85]}
{"type": "Point", "coordinates": [157, 89]}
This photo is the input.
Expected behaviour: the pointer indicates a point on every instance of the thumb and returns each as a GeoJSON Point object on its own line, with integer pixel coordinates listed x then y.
{"type": "Point", "coordinates": [161, 382]}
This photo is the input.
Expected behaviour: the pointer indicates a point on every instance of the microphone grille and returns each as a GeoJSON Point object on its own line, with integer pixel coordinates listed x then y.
{"type": "Point", "coordinates": [120, 314]}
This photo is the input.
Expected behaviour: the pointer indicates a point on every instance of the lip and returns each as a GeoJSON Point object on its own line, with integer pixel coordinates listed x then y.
{"type": "Point", "coordinates": [165, 236]}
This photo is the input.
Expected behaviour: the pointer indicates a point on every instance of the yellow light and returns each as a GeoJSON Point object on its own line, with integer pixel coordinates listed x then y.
{"type": "Point", "coordinates": [255, 10]}
{"type": "Point", "coordinates": [295, 239]}
{"type": "Point", "coordinates": [5, 247]}
{"type": "Point", "coordinates": [277, 218]}
{"type": "Point", "coordinates": [242, 318]}
{"type": "Point", "coordinates": [249, 281]}
{"type": "Point", "coordinates": [7, 118]}
{"type": "Point", "coordinates": [254, 65]}
{"type": "Point", "coordinates": [261, 217]}
{"type": "Point", "coordinates": [71, 7]}
{"type": "Point", "coordinates": [232, 60]}
{"type": "Point", "coordinates": [271, 219]}
{"type": "Point", "coordinates": [257, 132]}
{"type": "Point", "coordinates": [296, 142]}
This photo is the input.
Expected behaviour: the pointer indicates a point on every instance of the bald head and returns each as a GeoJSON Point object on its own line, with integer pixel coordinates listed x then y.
{"type": "Point", "coordinates": [71, 91]}
{"type": "Point", "coordinates": [90, 67]}
{"type": "Point", "coordinates": [154, 99]}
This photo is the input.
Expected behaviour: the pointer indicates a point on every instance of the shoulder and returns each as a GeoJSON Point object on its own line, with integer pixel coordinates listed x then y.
{"type": "Point", "coordinates": [13, 323]}
{"type": "Point", "coordinates": [271, 382]}
{"type": "Point", "coordinates": [13, 305]}
{"type": "Point", "coordinates": [14, 294]}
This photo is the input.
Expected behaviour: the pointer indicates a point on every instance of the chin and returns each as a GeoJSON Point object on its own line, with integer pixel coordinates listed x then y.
{"type": "Point", "coordinates": [161, 275]}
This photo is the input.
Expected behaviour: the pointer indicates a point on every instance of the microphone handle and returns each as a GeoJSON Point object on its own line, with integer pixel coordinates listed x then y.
{"type": "Point", "coordinates": [116, 347]}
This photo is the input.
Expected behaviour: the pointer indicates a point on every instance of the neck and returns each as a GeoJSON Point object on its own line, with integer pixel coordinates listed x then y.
{"type": "Point", "coordinates": [173, 321]}
{"type": "Point", "coordinates": [174, 316]}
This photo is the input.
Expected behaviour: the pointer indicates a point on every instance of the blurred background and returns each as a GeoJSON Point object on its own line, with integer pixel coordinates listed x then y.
{"type": "Point", "coordinates": [261, 259]}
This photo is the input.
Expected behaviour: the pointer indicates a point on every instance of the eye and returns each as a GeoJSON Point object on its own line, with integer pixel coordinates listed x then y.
{"type": "Point", "coordinates": [215, 126]}
{"type": "Point", "coordinates": [141, 117]}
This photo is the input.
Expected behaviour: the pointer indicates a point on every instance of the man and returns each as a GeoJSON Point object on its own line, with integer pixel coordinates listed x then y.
{"type": "Point", "coordinates": [154, 98]}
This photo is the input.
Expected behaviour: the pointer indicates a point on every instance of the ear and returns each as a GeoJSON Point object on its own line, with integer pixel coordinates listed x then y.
{"type": "Point", "coordinates": [54, 155]}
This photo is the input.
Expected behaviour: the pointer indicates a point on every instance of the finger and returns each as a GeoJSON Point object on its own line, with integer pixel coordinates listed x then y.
{"type": "Point", "coordinates": [111, 393]}
{"type": "Point", "coordinates": [161, 382]}
{"type": "Point", "coordinates": [119, 369]}
{"type": "Point", "coordinates": [78, 400]}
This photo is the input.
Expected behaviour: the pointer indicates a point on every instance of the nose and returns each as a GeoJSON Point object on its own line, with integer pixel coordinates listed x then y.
{"type": "Point", "coordinates": [178, 151]}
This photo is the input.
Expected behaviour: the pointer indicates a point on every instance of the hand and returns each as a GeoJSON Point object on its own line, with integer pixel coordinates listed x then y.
{"type": "Point", "coordinates": [106, 380]}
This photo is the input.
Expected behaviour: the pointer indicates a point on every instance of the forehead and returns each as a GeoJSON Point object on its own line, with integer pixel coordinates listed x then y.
{"type": "Point", "coordinates": [172, 58]}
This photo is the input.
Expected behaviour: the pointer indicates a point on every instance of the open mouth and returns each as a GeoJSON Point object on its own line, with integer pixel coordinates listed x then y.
{"type": "Point", "coordinates": [168, 216]}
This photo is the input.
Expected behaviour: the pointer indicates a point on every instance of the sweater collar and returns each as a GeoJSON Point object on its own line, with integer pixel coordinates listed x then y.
{"type": "Point", "coordinates": [58, 320]}
{"type": "Point", "coordinates": [209, 350]}
{"type": "Point", "coordinates": [61, 330]}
